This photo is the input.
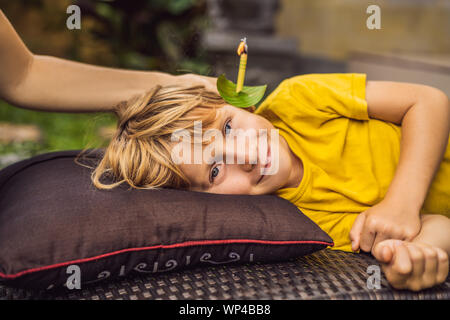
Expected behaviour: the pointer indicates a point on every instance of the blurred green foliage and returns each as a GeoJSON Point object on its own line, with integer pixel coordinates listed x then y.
{"type": "Point", "coordinates": [60, 131]}
{"type": "Point", "coordinates": [151, 34]}
{"type": "Point", "coordinates": [159, 35]}
{"type": "Point", "coordinates": [162, 35]}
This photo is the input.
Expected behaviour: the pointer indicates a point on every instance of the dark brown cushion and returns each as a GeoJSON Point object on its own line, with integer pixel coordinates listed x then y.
{"type": "Point", "coordinates": [51, 217]}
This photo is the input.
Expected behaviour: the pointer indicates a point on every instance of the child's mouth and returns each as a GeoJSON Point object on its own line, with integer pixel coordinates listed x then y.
{"type": "Point", "coordinates": [265, 168]}
{"type": "Point", "coordinates": [269, 159]}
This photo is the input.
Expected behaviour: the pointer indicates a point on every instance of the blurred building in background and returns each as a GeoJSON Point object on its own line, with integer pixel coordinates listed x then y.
{"type": "Point", "coordinates": [412, 45]}
{"type": "Point", "coordinates": [335, 28]}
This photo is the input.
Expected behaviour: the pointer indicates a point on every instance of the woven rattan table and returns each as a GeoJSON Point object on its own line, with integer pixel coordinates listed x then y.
{"type": "Point", "coordinates": [325, 274]}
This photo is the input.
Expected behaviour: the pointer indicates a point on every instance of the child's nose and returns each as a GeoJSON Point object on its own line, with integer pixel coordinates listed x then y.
{"type": "Point", "coordinates": [247, 167]}
{"type": "Point", "coordinates": [245, 154]}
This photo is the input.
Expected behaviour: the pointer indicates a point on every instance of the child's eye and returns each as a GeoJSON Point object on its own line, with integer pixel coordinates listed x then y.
{"type": "Point", "coordinates": [214, 173]}
{"type": "Point", "coordinates": [227, 127]}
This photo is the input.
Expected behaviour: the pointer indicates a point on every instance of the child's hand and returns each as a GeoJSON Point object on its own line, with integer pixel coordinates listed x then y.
{"type": "Point", "coordinates": [411, 265]}
{"type": "Point", "coordinates": [384, 221]}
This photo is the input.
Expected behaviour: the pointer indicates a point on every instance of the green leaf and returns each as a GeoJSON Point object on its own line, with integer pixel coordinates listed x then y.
{"type": "Point", "coordinates": [247, 97]}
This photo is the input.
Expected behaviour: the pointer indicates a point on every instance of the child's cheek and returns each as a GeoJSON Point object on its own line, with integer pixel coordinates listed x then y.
{"type": "Point", "coordinates": [234, 185]}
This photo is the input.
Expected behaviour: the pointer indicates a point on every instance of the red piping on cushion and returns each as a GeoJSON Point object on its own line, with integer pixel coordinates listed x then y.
{"type": "Point", "coordinates": [161, 246]}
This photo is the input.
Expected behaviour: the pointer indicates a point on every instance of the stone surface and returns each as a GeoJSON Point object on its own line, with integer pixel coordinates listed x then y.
{"type": "Point", "coordinates": [429, 70]}
{"type": "Point", "coordinates": [10, 158]}
{"type": "Point", "coordinates": [10, 133]}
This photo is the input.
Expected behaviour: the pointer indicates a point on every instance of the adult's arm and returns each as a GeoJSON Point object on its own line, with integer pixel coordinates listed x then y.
{"type": "Point", "coordinates": [53, 84]}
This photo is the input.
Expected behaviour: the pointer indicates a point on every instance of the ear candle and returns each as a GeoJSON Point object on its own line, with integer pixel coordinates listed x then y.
{"type": "Point", "coordinates": [241, 51]}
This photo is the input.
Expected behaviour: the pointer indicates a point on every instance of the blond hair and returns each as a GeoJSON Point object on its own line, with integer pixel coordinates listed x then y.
{"type": "Point", "coordinates": [139, 152]}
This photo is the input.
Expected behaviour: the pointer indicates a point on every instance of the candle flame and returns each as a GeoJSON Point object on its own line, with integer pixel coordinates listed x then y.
{"type": "Point", "coordinates": [242, 47]}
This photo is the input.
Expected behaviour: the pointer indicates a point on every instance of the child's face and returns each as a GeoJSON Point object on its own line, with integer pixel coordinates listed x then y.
{"type": "Point", "coordinates": [229, 177]}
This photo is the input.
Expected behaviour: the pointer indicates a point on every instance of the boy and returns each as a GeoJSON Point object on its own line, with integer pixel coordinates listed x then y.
{"type": "Point", "coordinates": [340, 142]}
{"type": "Point", "coordinates": [337, 162]}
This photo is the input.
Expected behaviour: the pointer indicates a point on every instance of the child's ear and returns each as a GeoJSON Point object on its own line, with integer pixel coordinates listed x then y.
{"type": "Point", "coordinates": [251, 109]}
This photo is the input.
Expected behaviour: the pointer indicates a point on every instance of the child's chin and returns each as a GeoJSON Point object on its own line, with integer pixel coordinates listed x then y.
{"type": "Point", "coordinates": [269, 189]}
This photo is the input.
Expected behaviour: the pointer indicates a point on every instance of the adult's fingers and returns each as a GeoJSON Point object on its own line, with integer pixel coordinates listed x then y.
{"type": "Point", "coordinates": [211, 83]}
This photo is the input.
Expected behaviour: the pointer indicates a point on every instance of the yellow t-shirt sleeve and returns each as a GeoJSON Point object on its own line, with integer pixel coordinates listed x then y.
{"type": "Point", "coordinates": [320, 96]}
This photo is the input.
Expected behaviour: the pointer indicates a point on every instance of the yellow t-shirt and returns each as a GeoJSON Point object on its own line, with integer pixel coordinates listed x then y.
{"type": "Point", "coordinates": [349, 159]}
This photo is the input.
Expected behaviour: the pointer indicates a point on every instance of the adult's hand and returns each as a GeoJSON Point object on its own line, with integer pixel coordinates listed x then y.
{"type": "Point", "coordinates": [210, 83]}
{"type": "Point", "coordinates": [53, 84]}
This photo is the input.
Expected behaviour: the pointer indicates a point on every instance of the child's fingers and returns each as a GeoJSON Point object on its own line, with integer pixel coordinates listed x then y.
{"type": "Point", "coordinates": [380, 237]}
{"type": "Point", "coordinates": [414, 266]}
{"type": "Point", "coordinates": [384, 251]}
{"type": "Point", "coordinates": [400, 268]}
{"type": "Point", "coordinates": [401, 261]}
{"type": "Point", "coordinates": [429, 278]}
{"type": "Point", "coordinates": [367, 237]}
{"type": "Point", "coordinates": [355, 232]}
{"type": "Point", "coordinates": [418, 263]}
{"type": "Point", "coordinates": [442, 270]}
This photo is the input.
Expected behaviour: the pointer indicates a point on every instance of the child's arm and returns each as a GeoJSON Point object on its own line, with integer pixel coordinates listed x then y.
{"type": "Point", "coordinates": [421, 263]}
{"type": "Point", "coordinates": [53, 84]}
{"type": "Point", "coordinates": [424, 114]}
